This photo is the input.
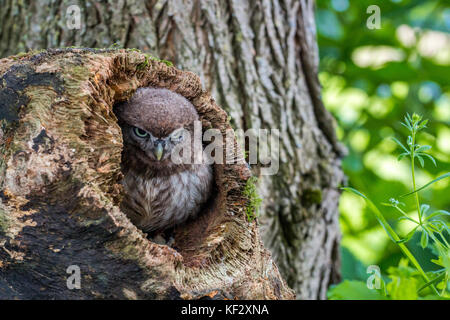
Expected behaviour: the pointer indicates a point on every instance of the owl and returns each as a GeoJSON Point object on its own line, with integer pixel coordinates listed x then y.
{"type": "Point", "coordinates": [160, 193]}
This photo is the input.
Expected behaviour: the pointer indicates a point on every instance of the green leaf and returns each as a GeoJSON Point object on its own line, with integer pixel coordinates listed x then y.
{"type": "Point", "coordinates": [354, 290]}
{"type": "Point", "coordinates": [353, 190]}
{"type": "Point", "coordinates": [423, 124]}
{"type": "Point", "coordinates": [409, 141]}
{"type": "Point", "coordinates": [423, 148]}
{"type": "Point", "coordinates": [402, 155]}
{"type": "Point", "coordinates": [424, 209]}
{"type": "Point", "coordinates": [401, 288]}
{"type": "Point", "coordinates": [406, 125]}
{"type": "Point", "coordinates": [422, 164]}
{"type": "Point", "coordinates": [439, 261]}
{"type": "Point", "coordinates": [444, 256]}
{"type": "Point", "coordinates": [424, 239]}
{"type": "Point", "coordinates": [429, 283]}
{"type": "Point", "coordinates": [439, 225]}
{"type": "Point", "coordinates": [436, 226]}
{"type": "Point", "coordinates": [429, 157]}
{"type": "Point", "coordinates": [408, 236]}
{"type": "Point", "coordinates": [445, 175]}
{"type": "Point", "coordinates": [407, 122]}
{"type": "Point", "coordinates": [438, 213]}
{"type": "Point", "coordinates": [400, 144]}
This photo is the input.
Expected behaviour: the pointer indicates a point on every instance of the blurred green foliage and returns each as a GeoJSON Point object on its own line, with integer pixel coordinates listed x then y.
{"type": "Point", "coordinates": [371, 79]}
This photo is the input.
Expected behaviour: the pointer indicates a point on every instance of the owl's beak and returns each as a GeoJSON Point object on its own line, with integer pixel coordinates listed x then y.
{"type": "Point", "coordinates": [158, 151]}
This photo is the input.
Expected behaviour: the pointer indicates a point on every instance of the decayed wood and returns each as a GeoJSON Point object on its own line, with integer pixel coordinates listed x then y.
{"type": "Point", "coordinates": [60, 190]}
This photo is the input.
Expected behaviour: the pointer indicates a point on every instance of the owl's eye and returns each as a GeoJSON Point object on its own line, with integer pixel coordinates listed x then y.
{"type": "Point", "coordinates": [140, 133]}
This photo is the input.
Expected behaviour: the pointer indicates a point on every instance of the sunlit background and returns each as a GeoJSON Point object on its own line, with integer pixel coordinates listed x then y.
{"type": "Point", "coordinates": [370, 79]}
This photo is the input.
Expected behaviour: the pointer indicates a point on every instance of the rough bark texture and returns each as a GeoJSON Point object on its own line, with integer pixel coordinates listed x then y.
{"type": "Point", "coordinates": [60, 190]}
{"type": "Point", "coordinates": [259, 60]}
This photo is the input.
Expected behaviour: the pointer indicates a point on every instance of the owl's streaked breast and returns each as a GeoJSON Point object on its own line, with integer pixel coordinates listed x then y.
{"type": "Point", "coordinates": [161, 202]}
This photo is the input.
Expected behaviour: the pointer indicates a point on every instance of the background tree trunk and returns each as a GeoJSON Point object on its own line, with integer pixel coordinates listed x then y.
{"type": "Point", "coordinates": [259, 59]}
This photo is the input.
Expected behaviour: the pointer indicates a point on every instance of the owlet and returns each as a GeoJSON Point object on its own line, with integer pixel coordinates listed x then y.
{"type": "Point", "coordinates": [159, 192]}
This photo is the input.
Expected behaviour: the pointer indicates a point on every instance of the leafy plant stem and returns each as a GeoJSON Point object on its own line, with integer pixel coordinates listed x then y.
{"type": "Point", "coordinates": [412, 147]}
{"type": "Point", "coordinates": [402, 246]}
{"type": "Point", "coordinates": [431, 224]}
{"type": "Point", "coordinates": [393, 235]}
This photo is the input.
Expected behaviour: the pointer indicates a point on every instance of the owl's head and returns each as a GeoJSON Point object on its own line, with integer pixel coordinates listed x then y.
{"type": "Point", "coordinates": [154, 121]}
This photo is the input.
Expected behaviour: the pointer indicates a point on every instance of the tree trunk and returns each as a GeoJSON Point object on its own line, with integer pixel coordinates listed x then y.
{"type": "Point", "coordinates": [60, 190]}
{"type": "Point", "coordinates": [259, 60]}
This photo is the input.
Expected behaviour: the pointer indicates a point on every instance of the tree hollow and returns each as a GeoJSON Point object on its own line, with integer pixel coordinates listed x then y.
{"type": "Point", "coordinates": [60, 190]}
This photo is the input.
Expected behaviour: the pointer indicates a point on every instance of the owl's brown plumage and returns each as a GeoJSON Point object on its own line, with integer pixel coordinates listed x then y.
{"type": "Point", "coordinates": [159, 193]}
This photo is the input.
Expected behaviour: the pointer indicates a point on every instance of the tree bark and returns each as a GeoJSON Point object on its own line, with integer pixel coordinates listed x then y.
{"type": "Point", "coordinates": [259, 60]}
{"type": "Point", "coordinates": [60, 190]}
